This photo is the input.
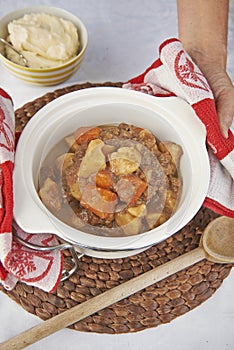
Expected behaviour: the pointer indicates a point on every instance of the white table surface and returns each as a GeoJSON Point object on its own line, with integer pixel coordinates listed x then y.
{"type": "Point", "coordinates": [123, 41]}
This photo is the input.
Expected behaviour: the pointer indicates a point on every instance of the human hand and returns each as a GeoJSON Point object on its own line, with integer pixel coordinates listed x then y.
{"type": "Point", "coordinates": [203, 31]}
{"type": "Point", "coordinates": [223, 91]}
{"type": "Point", "coordinates": [221, 86]}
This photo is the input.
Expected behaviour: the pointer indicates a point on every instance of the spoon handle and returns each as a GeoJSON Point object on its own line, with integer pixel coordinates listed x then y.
{"type": "Point", "coordinates": [103, 300]}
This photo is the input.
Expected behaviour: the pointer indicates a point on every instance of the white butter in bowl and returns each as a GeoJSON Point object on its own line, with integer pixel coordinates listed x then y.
{"type": "Point", "coordinates": [45, 40]}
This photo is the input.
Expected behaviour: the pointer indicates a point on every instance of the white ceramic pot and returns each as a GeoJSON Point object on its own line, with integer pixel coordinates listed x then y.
{"type": "Point", "coordinates": [169, 118]}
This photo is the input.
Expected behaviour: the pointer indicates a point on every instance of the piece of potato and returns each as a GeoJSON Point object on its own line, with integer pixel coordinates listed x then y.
{"type": "Point", "coordinates": [146, 134]}
{"type": "Point", "coordinates": [123, 218]}
{"type": "Point", "coordinates": [130, 225]}
{"type": "Point", "coordinates": [77, 222]}
{"type": "Point", "coordinates": [155, 219]}
{"type": "Point", "coordinates": [152, 218]}
{"type": "Point", "coordinates": [125, 161]}
{"type": "Point", "coordinates": [50, 195]}
{"type": "Point", "coordinates": [170, 201]}
{"type": "Point", "coordinates": [72, 180]}
{"type": "Point", "coordinates": [75, 190]}
{"type": "Point", "coordinates": [71, 142]}
{"type": "Point", "coordinates": [94, 159]}
{"type": "Point", "coordinates": [97, 143]}
{"type": "Point", "coordinates": [175, 150]}
{"type": "Point", "coordinates": [64, 161]}
{"type": "Point", "coordinates": [162, 218]}
{"type": "Point", "coordinates": [138, 211]}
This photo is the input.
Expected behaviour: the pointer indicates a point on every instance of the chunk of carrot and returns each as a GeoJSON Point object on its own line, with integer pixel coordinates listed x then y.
{"type": "Point", "coordinates": [130, 187]}
{"type": "Point", "coordinates": [98, 200]}
{"type": "Point", "coordinates": [104, 179]}
{"type": "Point", "coordinates": [86, 134]}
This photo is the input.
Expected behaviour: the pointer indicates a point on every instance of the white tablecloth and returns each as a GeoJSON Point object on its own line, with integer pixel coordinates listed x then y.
{"type": "Point", "coordinates": [123, 40]}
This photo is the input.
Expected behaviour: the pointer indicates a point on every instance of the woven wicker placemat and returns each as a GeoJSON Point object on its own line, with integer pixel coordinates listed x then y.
{"type": "Point", "coordinates": [155, 305]}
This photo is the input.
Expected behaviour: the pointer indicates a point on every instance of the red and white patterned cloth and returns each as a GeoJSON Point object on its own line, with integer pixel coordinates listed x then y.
{"type": "Point", "coordinates": [41, 269]}
{"type": "Point", "coordinates": [175, 74]}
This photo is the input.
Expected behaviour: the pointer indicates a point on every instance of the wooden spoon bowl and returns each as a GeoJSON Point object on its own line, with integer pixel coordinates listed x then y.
{"type": "Point", "coordinates": [218, 240]}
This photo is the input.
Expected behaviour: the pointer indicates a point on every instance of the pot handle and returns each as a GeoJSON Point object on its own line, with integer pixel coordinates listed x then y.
{"type": "Point", "coordinates": [75, 257]}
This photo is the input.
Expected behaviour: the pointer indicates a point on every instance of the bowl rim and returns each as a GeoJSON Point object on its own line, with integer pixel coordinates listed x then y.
{"type": "Point", "coordinates": [85, 96]}
{"type": "Point", "coordinates": [37, 9]}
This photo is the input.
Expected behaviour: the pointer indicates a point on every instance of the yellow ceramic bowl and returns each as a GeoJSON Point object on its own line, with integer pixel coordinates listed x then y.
{"type": "Point", "coordinates": [44, 76]}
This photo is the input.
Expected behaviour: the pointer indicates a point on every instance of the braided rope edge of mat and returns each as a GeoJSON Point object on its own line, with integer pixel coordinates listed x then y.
{"type": "Point", "coordinates": [155, 305]}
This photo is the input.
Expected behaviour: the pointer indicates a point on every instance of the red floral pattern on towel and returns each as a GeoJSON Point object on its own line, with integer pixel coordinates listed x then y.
{"type": "Point", "coordinates": [187, 74]}
{"type": "Point", "coordinates": [176, 73]}
{"type": "Point", "coordinates": [41, 269]}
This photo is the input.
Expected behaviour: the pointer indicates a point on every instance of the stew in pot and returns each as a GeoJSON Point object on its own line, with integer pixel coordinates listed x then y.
{"type": "Point", "coordinates": [112, 180]}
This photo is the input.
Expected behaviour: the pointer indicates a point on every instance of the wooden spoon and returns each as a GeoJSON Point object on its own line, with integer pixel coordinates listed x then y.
{"type": "Point", "coordinates": [217, 245]}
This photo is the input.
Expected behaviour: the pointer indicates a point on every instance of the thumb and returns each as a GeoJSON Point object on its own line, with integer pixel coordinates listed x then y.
{"type": "Point", "coordinates": [225, 109]}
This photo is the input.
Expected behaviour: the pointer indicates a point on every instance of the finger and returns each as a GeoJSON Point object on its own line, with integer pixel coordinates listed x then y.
{"type": "Point", "coordinates": [225, 109]}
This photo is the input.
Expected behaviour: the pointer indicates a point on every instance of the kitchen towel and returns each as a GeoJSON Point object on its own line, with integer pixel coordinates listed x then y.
{"type": "Point", "coordinates": [175, 74]}
{"type": "Point", "coordinates": [17, 262]}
